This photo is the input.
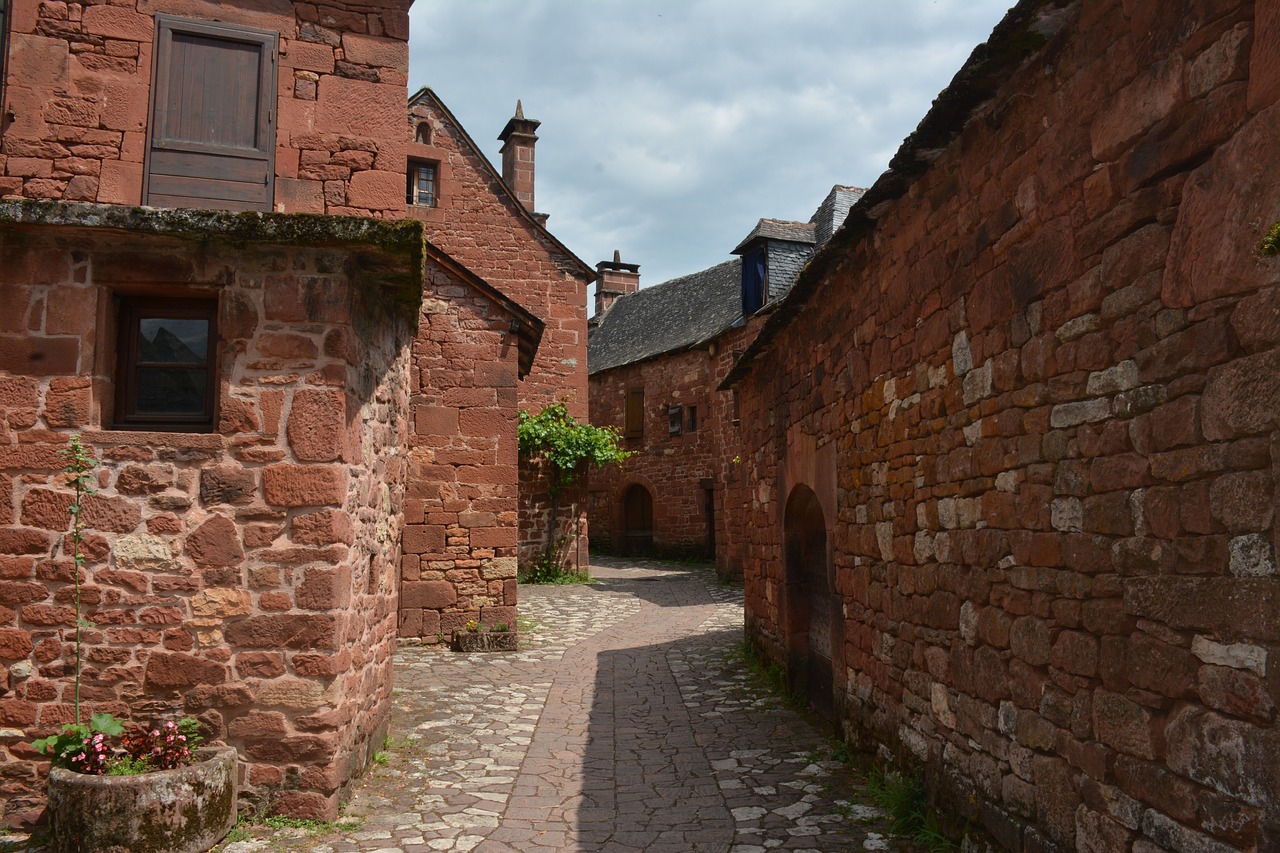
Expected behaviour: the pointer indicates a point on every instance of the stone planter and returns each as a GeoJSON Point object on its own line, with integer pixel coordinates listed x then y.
{"type": "Point", "coordinates": [485, 641]}
{"type": "Point", "coordinates": [187, 810]}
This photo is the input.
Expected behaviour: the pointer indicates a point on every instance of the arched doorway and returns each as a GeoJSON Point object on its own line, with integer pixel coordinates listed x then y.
{"type": "Point", "coordinates": [637, 521]}
{"type": "Point", "coordinates": [812, 612]}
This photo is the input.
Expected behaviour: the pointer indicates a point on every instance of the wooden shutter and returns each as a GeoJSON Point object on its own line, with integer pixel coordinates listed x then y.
{"type": "Point", "coordinates": [635, 413]}
{"type": "Point", "coordinates": [212, 133]}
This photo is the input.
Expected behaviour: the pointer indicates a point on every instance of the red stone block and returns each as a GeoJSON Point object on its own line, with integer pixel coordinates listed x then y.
{"type": "Point", "coordinates": [323, 528]}
{"type": "Point", "coordinates": [259, 664]}
{"type": "Point", "coordinates": [316, 425]}
{"type": "Point", "coordinates": [284, 631]}
{"type": "Point", "coordinates": [493, 537]}
{"type": "Point", "coordinates": [286, 347]}
{"type": "Point", "coordinates": [423, 539]}
{"type": "Point", "coordinates": [429, 595]}
{"type": "Point", "coordinates": [176, 670]}
{"type": "Point", "coordinates": [304, 485]}
{"type": "Point", "coordinates": [216, 542]}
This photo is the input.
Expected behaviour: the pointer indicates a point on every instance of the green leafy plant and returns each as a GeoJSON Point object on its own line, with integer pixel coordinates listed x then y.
{"type": "Point", "coordinates": [104, 748]}
{"type": "Point", "coordinates": [565, 448]}
{"type": "Point", "coordinates": [79, 469]}
{"type": "Point", "coordinates": [500, 628]}
{"type": "Point", "coordinates": [1270, 243]}
{"type": "Point", "coordinates": [82, 748]}
{"type": "Point", "coordinates": [546, 569]}
{"type": "Point", "coordinates": [903, 800]}
{"type": "Point", "coordinates": [770, 676]}
{"type": "Point", "coordinates": [472, 626]}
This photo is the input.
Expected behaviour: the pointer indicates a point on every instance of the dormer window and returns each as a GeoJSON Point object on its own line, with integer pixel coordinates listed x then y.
{"type": "Point", "coordinates": [421, 189]}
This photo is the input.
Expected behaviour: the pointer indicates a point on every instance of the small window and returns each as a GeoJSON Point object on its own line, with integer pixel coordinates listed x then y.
{"type": "Point", "coordinates": [675, 420]}
{"type": "Point", "coordinates": [165, 376]}
{"type": "Point", "coordinates": [422, 184]}
{"type": "Point", "coordinates": [635, 413]}
{"type": "Point", "coordinates": [692, 419]}
{"type": "Point", "coordinates": [736, 416]}
{"type": "Point", "coordinates": [422, 133]}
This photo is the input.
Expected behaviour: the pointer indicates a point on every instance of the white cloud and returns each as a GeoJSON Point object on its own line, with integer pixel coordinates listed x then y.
{"type": "Point", "coordinates": [670, 126]}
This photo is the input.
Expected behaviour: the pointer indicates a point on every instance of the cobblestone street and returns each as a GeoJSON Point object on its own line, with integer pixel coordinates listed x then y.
{"type": "Point", "coordinates": [624, 723]}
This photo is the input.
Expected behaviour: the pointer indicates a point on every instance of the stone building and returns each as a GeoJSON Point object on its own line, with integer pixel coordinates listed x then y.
{"type": "Point", "coordinates": [1013, 439]}
{"type": "Point", "coordinates": [487, 220]}
{"type": "Point", "coordinates": [287, 384]}
{"type": "Point", "coordinates": [656, 357]}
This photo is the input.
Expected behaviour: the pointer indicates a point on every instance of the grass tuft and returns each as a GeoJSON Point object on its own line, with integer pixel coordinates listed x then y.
{"type": "Point", "coordinates": [902, 799]}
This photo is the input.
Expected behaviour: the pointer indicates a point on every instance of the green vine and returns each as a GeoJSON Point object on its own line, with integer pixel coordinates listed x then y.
{"type": "Point", "coordinates": [1270, 243]}
{"type": "Point", "coordinates": [80, 465]}
{"type": "Point", "coordinates": [566, 447]}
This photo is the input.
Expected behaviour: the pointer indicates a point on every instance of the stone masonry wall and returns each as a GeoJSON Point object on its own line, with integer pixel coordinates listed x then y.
{"type": "Point", "coordinates": [79, 86]}
{"type": "Point", "coordinates": [459, 559]}
{"type": "Point", "coordinates": [1053, 422]}
{"type": "Point", "coordinates": [246, 576]}
{"type": "Point", "coordinates": [675, 469]}
{"type": "Point", "coordinates": [478, 223]}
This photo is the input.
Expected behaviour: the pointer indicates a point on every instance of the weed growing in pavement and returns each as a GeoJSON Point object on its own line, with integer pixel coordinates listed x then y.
{"type": "Point", "coordinates": [547, 570]}
{"type": "Point", "coordinates": [902, 798]}
{"type": "Point", "coordinates": [770, 676]}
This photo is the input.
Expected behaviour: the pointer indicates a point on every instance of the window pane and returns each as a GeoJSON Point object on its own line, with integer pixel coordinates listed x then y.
{"type": "Point", "coordinates": [167, 340]}
{"type": "Point", "coordinates": [170, 391]}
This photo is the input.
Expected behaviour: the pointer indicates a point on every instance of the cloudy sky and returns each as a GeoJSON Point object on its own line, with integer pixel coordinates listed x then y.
{"type": "Point", "coordinates": [670, 126]}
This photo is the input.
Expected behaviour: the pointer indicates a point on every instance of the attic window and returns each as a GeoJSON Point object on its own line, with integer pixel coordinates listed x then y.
{"type": "Point", "coordinates": [421, 184]}
{"type": "Point", "coordinates": [423, 133]}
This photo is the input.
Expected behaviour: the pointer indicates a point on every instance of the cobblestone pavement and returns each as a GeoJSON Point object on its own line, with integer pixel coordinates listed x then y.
{"type": "Point", "coordinates": [626, 722]}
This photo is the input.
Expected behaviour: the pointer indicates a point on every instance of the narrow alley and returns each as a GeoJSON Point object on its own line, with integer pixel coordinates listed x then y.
{"type": "Point", "coordinates": [628, 721]}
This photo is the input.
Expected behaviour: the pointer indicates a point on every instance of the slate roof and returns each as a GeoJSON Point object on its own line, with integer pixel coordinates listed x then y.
{"type": "Point", "coordinates": [778, 229]}
{"type": "Point", "coordinates": [674, 315]}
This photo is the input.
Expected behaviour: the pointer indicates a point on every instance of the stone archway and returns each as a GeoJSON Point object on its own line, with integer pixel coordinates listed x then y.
{"type": "Point", "coordinates": [637, 521]}
{"type": "Point", "coordinates": [812, 618]}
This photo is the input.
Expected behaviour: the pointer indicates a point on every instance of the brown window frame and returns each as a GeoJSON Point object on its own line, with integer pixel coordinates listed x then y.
{"type": "Point", "coordinates": [411, 183]}
{"type": "Point", "coordinates": [633, 414]}
{"type": "Point", "coordinates": [131, 310]}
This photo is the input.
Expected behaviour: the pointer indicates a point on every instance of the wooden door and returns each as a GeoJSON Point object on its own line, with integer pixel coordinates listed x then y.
{"type": "Point", "coordinates": [212, 133]}
{"type": "Point", "coordinates": [637, 520]}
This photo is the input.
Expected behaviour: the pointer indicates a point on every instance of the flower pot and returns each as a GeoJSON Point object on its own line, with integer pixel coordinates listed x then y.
{"type": "Point", "coordinates": [485, 641]}
{"type": "Point", "coordinates": [187, 810]}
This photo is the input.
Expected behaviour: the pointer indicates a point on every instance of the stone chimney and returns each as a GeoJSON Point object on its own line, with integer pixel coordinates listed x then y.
{"type": "Point", "coordinates": [614, 279]}
{"type": "Point", "coordinates": [518, 139]}
{"type": "Point", "coordinates": [833, 211]}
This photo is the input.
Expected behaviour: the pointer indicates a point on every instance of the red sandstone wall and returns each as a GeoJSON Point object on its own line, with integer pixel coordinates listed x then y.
{"type": "Point", "coordinates": [459, 559]}
{"type": "Point", "coordinates": [674, 468]}
{"type": "Point", "coordinates": [1052, 430]}
{"type": "Point", "coordinates": [476, 222]}
{"type": "Point", "coordinates": [246, 576]}
{"type": "Point", "coordinates": [80, 81]}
